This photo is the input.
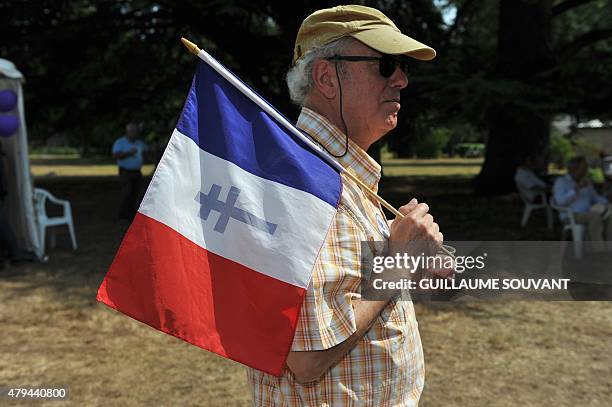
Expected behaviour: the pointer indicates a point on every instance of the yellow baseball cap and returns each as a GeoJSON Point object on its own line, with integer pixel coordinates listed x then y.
{"type": "Point", "coordinates": [366, 24]}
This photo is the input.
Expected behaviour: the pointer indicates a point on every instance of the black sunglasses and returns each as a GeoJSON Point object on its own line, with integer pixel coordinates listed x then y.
{"type": "Point", "coordinates": [386, 63]}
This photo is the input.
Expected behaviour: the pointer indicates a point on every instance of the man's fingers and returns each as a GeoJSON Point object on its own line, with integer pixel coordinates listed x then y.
{"type": "Point", "coordinates": [409, 207]}
{"type": "Point", "coordinates": [447, 268]}
{"type": "Point", "coordinates": [414, 208]}
{"type": "Point", "coordinates": [420, 210]}
{"type": "Point", "coordinates": [428, 220]}
{"type": "Point", "coordinates": [433, 230]}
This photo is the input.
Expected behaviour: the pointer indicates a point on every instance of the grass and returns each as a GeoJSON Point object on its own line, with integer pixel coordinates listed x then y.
{"type": "Point", "coordinates": [477, 353]}
{"type": "Point", "coordinates": [72, 165]}
{"type": "Point", "coordinates": [415, 167]}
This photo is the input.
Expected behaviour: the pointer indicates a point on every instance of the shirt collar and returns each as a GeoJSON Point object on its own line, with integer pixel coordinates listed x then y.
{"type": "Point", "coordinates": [356, 160]}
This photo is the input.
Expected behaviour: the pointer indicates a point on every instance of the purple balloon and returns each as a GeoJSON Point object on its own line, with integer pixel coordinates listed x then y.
{"type": "Point", "coordinates": [8, 125]}
{"type": "Point", "coordinates": [8, 100]}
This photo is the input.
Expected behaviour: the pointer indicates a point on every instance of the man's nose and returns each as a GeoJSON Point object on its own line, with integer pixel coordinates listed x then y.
{"type": "Point", "coordinates": [398, 79]}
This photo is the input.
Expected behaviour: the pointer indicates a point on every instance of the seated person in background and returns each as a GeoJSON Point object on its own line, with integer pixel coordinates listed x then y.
{"type": "Point", "coordinates": [575, 191]}
{"type": "Point", "coordinates": [528, 183]}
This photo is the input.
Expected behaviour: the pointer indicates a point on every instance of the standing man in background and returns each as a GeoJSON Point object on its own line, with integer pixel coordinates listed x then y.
{"type": "Point", "coordinates": [128, 151]}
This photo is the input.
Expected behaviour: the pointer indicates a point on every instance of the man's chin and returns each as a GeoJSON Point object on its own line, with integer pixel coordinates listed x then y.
{"type": "Point", "coordinates": [391, 122]}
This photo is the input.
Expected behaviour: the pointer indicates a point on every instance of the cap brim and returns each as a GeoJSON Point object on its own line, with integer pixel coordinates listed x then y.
{"type": "Point", "coordinates": [389, 41]}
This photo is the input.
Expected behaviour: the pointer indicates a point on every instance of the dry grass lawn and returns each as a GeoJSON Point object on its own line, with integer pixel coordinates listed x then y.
{"type": "Point", "coordinates": [477, 354]}
{"type": "Point", "coordinates": [417, 167]}
{"type": "Point", "coordinates": [74, 166]}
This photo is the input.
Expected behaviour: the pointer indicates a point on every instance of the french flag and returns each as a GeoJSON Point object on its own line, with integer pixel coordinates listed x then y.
{"type": "Point", "coordinates": [223, 246]}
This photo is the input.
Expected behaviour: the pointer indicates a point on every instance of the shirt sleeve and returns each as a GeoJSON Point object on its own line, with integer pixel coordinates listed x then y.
{"type": "Point", "coordinates": [117, 146]}
{"type": "Point", "coordinates": [563, 192]}
{"type": "Point", "coordinates": [536, 182]}
{"type": "Point", "coordinates": [327, 317]}
{"type": "Point", "coordinates": [528, 180]}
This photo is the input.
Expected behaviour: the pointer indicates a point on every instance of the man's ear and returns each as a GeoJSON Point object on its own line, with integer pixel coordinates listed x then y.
{"type": "Point", "coordinates": [324, 78]}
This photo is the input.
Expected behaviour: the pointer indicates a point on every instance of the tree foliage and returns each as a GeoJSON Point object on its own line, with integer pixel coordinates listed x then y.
{"type": "Point", "coordinates": [93, 65]}
{"type": "Point", "coordinates": [538, 69]}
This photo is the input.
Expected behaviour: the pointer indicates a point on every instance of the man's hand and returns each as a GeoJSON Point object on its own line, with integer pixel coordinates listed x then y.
{"type": "Point", "coordinates": [416, 233]}
{"type": "Point", "coordinates": [123, 154]}
{"type": "Point", "coordinates": [447, 269]}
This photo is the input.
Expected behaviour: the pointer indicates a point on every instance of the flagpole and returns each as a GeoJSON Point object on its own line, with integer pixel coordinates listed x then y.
{"type": "Point", "coordinates": [248, 92]}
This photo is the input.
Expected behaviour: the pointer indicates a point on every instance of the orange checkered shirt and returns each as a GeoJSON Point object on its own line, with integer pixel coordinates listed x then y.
{"type": "Point", "coordinates": [386, 367]}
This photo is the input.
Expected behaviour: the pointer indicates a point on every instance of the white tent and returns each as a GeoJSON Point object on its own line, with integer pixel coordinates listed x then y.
{"type": "Point", "coordinates": [18, 203]}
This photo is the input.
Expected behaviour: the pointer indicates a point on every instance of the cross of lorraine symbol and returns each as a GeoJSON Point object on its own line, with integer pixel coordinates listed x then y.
{"type": "Point", "coordinates": [227, 210]}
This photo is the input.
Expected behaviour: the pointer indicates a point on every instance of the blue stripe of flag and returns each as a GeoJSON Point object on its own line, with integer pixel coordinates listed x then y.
{"type": "Point", "coordinates": [224, 122]}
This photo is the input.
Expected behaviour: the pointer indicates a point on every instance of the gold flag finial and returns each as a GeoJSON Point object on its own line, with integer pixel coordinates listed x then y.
{"type": "Point", "coordinates": [190, 46]}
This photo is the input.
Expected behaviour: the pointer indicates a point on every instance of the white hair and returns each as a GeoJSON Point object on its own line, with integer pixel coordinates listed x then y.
{"type": "Point", "coordinates": [299, 77]}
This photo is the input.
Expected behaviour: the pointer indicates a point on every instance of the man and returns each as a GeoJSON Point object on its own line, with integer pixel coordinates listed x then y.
{"type": "Point", "coordinates": [528, 184]}
{"type": "Point", "coordinates": [348, 351]}
{"type": "Point", "coordinates": [574, 190]}
{"type": "Point", "coordinates": [128, 151]}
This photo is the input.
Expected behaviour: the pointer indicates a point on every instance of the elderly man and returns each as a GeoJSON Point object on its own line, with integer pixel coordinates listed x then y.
{"type": "Point", "coordinates": [347, 76]}
{"type": "Point", "coordinates": [575, 191]}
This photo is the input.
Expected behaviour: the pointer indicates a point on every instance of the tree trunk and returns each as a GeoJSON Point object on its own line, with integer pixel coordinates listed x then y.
{"type": "Point", "coordinates": [516, 130]}
{"type": "Point", "coordinates": [402, 139]}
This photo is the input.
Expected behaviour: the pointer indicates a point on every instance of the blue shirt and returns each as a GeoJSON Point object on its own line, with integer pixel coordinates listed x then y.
{"type": "Point", "coordinates": [132, 162]}
{"type": "Point", "coordinates": [579, 201]}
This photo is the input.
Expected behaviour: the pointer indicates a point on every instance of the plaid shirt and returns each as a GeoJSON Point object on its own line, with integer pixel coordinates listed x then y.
{"type": "Point", "coordinates": [386, 367]}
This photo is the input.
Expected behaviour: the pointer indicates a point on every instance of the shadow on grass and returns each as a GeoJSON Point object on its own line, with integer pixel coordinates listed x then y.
{"type": "Point", "coordinates": [75, 276]}
{"type": "Point", "coordinates": [70, 161]}
{"type": "Point", "coordinates": [463, 215]}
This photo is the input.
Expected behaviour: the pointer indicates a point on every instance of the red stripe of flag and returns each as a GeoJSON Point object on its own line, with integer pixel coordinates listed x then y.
{"type": "Point", "coordinates": [161, 278]}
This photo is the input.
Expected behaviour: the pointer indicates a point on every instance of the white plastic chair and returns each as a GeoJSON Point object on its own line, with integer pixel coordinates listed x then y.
{"type": "Point", "coordinates": [577, 230]}
{"type": "Point", "coordinates": [530, 206]}
{"type": "Point", "coordinates": [40, 198]}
